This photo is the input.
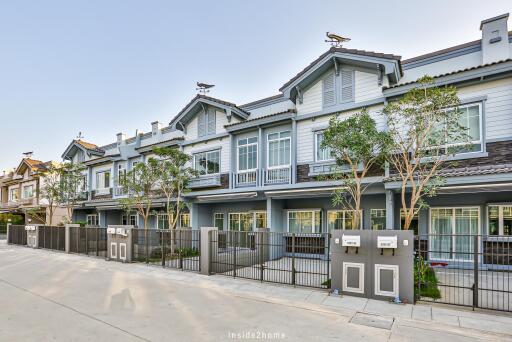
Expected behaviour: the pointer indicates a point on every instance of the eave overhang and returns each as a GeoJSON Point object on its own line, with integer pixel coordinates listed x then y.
{"type": "Point", "coordinates": [263, 120]}
{"type": "Point", "coordinates": [383, 64]}
{"type": "Point", "coordinates": [74, 146]}
{"type": "Point", "coordinates": [199, 104]}
{"type": "Point", "coordinates": [103, 160]}
{"type": "Point", "coordinates": [168, 143]}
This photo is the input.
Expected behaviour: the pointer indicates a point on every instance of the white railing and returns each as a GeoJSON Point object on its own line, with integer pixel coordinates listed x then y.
{"type": "Point", "coordinates": [100, 192]}
{"type": "Point", "coordinates": [119, 191]}
{"type": "Point", "coordinates": [278, 175]}
{"type": "Point", "coordinates": [205, 181]}
{"type": "Point", "coordinates": [247, 178]}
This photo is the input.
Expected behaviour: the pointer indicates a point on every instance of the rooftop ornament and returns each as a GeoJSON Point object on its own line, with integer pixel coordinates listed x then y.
{"type": "Point", "coordinates": [336, 40]}
{"type": "Point", "coordinates": [204, 87]}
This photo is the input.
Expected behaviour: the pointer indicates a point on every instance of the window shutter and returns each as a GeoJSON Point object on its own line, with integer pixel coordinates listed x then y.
{"type": "Point", "coordinates": [329, 98]}
{"type": "Point", "coordinates": [347, 86]}
{"type": "Point", "coordinates": [211, 120]}
{"type": "Point", "coordinates": [201, 125]}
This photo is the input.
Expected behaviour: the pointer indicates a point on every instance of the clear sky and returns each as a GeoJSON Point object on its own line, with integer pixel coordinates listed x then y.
{"type": "Point", "coordinates": [109, 66]}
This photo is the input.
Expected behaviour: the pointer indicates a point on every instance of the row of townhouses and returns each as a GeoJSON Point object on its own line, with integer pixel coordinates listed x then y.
{"type": "Point", "coordinates": [262, 164]}
{"type": "Point", "coordinates": [20, 193]}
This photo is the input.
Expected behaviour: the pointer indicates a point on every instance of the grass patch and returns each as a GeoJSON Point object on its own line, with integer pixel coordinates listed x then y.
{"type": "Point", "coordinates": [425, 280]}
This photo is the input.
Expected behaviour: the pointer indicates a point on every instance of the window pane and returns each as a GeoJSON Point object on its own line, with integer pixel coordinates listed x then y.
{"type": "Point", "coordinates": [261, 220]}
{"type": "Point", "coordinates": [213, 162]}
{"type": "Point", "coordinates": [242, 158]}
{"type": "Point", "coordinates": [252, 140]}
{"type": "Point", "coordinates": [334, 220]}
{"type": "Point", "coordinates": [234, 221]}
{"type": "Point", "coordinates": [378, 219]}
{"type": "Point", "coordinates": [200, 163]}
{"type": "Point", "coordinates": [466, 222]}
{"type": "Point", "coordinates": [441, 228]}
{"type": "Point", "coordinates": [273, 150]}
{"type": "Point", "coordinates": [219, 221]}
{"type": "Point", "coordinates": [252, 155]}
{"type": "Point", "coordinates": [300, 222]}
{"type": "Point", "coordinates": [473, 114]}
{"type": "Point", "coordinates": [494, 220]}
{"type": "Point", "coordinates": [285, 134]}
{"type": "Point", "coordinates": [273, 136]}
{"type": "Point", "coordinates": [507, 220]}
{"type": "Point", "coordinates": [286, 158]}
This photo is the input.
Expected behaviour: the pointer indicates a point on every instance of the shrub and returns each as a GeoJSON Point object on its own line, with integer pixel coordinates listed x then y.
{"type": "Point", "coordinates": [425, 280]}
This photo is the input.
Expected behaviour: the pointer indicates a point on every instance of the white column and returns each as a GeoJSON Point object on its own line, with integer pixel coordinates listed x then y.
{"type": "Point", "coordinates": [390, 209]}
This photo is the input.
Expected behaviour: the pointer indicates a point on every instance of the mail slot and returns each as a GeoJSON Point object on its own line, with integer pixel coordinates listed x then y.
{"type": "Point", "coordinates": [387, 241]}
{"type": "Point", "coordinates": [30, 227]}
{"type": "Point", "coordinates": [111, 230]}
{"type": "Point", "coordinates": [121, 231]}
{"type": "Point", "coordinates": [351, 240]}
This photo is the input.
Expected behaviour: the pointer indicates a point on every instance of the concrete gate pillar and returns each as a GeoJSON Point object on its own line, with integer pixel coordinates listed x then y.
{"type": "Point", "coordinates": [206, 250]}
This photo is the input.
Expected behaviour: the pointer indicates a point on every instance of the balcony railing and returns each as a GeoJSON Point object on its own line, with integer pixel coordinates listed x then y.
{"type": "Point", "coordinates": [246, 178]}
{"type": "Point", "coordinates": [279, 175]}
{"type": "Point", "coordinates": [205, 181]}
{"type": "Point", "coordinates": [102, 192]}
{"type": "Point", "coordinates": [119, 191]}
{"type": "Point", "coordinates": [27, 201]}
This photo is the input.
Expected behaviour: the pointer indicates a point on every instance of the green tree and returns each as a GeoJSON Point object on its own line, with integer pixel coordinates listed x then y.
{"type": "Point", "coordinates": [73, 186]}
{"type": "Point", "coordinates": [141, 186]}
{"type": "Point", "coordinates": [426, 131]}
{"type": "Point", "coordinates": [174, 178]}
{"type": "Point", "coordinates": [358, 147]}
{"type": "Point", "coordinates": [50, 190]}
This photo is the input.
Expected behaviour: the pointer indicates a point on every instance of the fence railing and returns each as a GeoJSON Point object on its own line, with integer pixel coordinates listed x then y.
{"type": "Point", "coordinates": [88, 240]}
{"type": "Point", "coordinates": [17, 235]}
{"type": "Point", "coordinates": [246, 178]}
{"type": "Point", "coordinates": [464, 269]}
{"type": "Point", "coordinates": [278, 175]}
{"type": "Point", "coordinates": [173, 248]}
{"type": "Point", "coordinates": [295, 259]}
{"type": "Point", "coordinates": [51, 237]}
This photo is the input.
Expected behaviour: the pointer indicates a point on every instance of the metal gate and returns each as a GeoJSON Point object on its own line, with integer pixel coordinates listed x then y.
{"type": "Point", "coordinates": [466, 270]}
{"type": "Point", "coordinates": [51, 237]}
{"type": "Point", "coordinates": [17, 235]}
{"type": "Point", "coordinates": [294, 259]}
{"type": "Point", "coordinates": [172, 248]}
{"type": "Point", "coordinates": [88, 240]}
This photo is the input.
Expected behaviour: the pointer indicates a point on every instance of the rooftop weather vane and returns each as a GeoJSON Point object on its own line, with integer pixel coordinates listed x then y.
{"type": "Point", "coordinates": [335, 40]}
{"type": "Point", "coordinates": [28, 154]}
{"type": "Point", "coordinates": [80, 136]}
{"type": "Point", "coordinates": [204, 87]}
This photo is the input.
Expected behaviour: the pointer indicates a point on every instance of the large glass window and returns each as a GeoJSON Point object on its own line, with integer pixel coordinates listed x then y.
{"type": "Point", "coordinates": [92, 220]}
{"type": "Point", "coordinates": [162, 221]}
{"type": "Point", "coordinates": [343, 219]}
{"type": "Point", "coordinates": [260, 219]}
{"type": "Point", "coordinates": [130, 219]}
{"type": "Point", "coordinates": [207, 163]}
{"type": "Point", "coordinates": [218, 221]}
{"type": "Point", "coordinates": [450, 233]}
{"type": "Point", "coordinates": [304, 221]}
{"type": "Point", "coordinates": [13, 194]}
{"type": "Point", "coordinates": [103, 180]}
{"type": "Point", "coordinates": [121, 173]}
{"type": "Point", "coordinates": [278, 147]}
{"type": "Point", "coordinates": [247, 154]}
{"type": "Point", "coordinates": [242, 222]}
{"type": "Point", "coordinates": [322, 153]}
{"type": "Point", "coordinates": [185, 220]}
{"type": "Point", "coordinates": [378, 219]}
{"type": "Point", "coordinates": [500, 219]}
{"type": "Point", "coordinates": [28, 191]}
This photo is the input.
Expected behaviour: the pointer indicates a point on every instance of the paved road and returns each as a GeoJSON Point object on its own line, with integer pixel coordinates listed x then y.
{"type": "Point", "coordinates": [54, 296]}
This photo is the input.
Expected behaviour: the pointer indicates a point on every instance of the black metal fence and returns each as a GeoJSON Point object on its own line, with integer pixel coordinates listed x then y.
{"type": "Point", "coordinates": [88, 240]}
{"type": "Point", "coordinates": [51, 237]}
{"type": "Point", "coordinates": [173, 248]}
{"type": "Point", "coordinates": [467, 270]}
{"type": "Point", "coordinates": [295, 259]}
{"type": "Point", "coordinates": [17, 235]}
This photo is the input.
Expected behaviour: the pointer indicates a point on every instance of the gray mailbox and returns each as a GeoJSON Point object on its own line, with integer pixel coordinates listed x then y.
{"type": "Point", "coordinates": [119, 243]}
{"type": "Point", "coordinates": [32, 236]}
{"type": "Point", "coordinates": [373, 264]}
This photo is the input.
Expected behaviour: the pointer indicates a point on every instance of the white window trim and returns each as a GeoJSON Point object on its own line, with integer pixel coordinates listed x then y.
{"type": "Point", "coordinates": [93, 215]}
{"type": "Point", "coordinates": [223, 219]}
{"type": "Point", "coordinates": [316, 133]}
{"type": "Point", "coordinates": [181, 217]}
{"type": "Point", "coordinates": [346, 288]}
{"type": "Point", "coordinates": [238, 154]}
{"type": "Point", "coordinates": [501, 234]}
{"type": "Point", "coordinates": [377, 210]}
{"type": "Point", "coordinates": [23, 191]}
{"type": "Point", "coordinates": [396, 279]}
{"type": "Point", "coordinates": [453, 227]}
{"type": "Point", "coordinates": [109, 179]}
{"type": "Point", "coordinates": [313, 217]}
{"type": "Point", "coordinates": [343, 219]}
{"type": "Point", "coordinates": [252, 213]}
{"type": "Point", "coordinates": [268, 150]}
{"type": "Point", "coordinates": [206, 169]}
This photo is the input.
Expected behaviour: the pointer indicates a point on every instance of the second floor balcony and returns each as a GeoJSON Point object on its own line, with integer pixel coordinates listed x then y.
{"type": "Point", "coordinates": [278, 175]}
{"type": "Point", "coordinates": [270, 176]}
{"type": "Point", "coordinates": [205, 181]}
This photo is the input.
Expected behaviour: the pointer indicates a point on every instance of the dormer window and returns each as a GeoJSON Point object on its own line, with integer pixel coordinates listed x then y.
{"type": "Point", "coordinates": [206, 122]}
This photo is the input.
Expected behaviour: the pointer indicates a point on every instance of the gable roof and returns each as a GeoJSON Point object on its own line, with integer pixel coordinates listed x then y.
{"type": "Point", "coordinates": [335, 50]}
{"type": "Point", "coordinates": [33, 164]}
{"type": "Point", "coordinates": [89, 148]}
{"type": "Point", "coordinates": [192, 108]}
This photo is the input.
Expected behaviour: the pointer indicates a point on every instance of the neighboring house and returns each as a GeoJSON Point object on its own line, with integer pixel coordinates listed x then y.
{"type": "Point", "coordinates": [20, 193]}
{"type": "Point", "coordinates": [261, 162]}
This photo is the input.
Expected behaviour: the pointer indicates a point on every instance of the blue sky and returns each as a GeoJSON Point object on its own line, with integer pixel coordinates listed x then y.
{"type": "Point", "coordinates": [103, 67]}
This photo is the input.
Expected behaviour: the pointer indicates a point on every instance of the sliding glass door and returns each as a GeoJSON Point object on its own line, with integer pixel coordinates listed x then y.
{"type": "Point", "coordinates": [451, 232]}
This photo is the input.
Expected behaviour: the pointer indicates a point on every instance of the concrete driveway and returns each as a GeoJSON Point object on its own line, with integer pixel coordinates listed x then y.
{"type": "Point", "coordinates": [55, 296]}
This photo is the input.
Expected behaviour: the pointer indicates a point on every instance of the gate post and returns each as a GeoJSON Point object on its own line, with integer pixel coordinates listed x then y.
{"type": "Point", "coordinates": [67, 236]}
{"type": "Point", "coordinates": [293, 259]}
{"type": "Point", "coordinates": [475, 272]}
{"type": "Point", "coordinates": [9, 237]}
{"type": "Point", "coordinates": [205, 246]}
